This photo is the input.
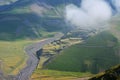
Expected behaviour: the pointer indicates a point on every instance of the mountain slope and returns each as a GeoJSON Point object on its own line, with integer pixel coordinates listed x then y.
{"type": "Point", "coordinates": [29, 19]}
{"type": "Point", "coordinates": [111, 74]}
{"type": "Point", "coordinates": [95, 55]}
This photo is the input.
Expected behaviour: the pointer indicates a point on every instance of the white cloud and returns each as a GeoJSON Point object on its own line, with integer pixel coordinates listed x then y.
{"type": "Point", "coordinates": [91, 14]}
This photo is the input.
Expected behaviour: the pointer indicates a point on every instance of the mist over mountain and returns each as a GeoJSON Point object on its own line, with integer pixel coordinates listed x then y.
{"type": "Point", "coordinates": [26, 18]}
{"type": "Point", "coordinates": [92, 14]}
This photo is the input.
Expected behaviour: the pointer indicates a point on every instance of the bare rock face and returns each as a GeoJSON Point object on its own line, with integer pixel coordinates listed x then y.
{"type": "Point", "coordinates": [111, 74]}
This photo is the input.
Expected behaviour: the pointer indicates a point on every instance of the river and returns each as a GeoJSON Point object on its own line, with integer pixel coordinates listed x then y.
{"type": "Point", "coordinates": [33, 61]}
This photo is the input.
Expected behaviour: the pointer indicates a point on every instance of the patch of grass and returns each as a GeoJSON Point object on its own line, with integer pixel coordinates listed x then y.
{"type": "Point", "coordinates": [102, 39]}
{"type": "Point", "coordinates": [12, 55]}
{"type": "Point", "coordinates": [57, 75]}
{"type": "Point", "coordinates": [95, 55]}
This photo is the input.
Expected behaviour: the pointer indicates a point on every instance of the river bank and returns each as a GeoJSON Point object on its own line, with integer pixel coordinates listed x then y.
{"type": "Point", "coordinates": [32, 61]}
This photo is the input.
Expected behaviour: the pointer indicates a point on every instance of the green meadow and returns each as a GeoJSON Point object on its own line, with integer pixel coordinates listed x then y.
{"type": "Point", "coordinates": [94, 55]}
{"type": "Point", "coordinates": [12, 55]}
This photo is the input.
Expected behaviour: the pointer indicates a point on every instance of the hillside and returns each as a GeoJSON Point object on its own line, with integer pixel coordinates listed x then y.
{"type": "Point", "coordinates": [81, 54]}
{"type": "Point", "coordinates": [21, 19]}
{"type": "Point", "coordinates": [114, 72]}
{"type": "Point", "coordinates": [21, 23]}
{"type": "Point", "coordinates": [96, 54]}
{"type": "Point", "coordinates": [6, 2]}
{"type": "Point", "coordinates": [110, 74]}
{"type": "Point", "coordinates": [29, 19]}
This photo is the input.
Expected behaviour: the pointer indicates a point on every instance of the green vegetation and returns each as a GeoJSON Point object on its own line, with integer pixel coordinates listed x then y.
{"type": "Point", "coordinates": [12, 55]}
{"type": "Point", "coordinates": [57, 75]}
{"type": "Point", "coordinates": [54, 48]}
{"type": "Point", "coordinates": [94, 55]}
{"type": "Point", "coordinates": [19, 26]}
{"type": "Point", "coordinates": [23, 22]}
{"type": "Point", "coordinates": [50, 51]}
{"type": "Point", "coordinates": [22, 26]}
{"type": "Point", "coordinates": [110, 74]}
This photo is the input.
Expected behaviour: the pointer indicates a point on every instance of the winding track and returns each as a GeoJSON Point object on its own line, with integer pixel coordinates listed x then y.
{"type": "Point", "coordinates": [32, 61]}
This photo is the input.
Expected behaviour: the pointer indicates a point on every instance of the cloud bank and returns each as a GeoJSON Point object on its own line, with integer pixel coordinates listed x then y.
{"type": "Point", "coordinates": [91, 13]}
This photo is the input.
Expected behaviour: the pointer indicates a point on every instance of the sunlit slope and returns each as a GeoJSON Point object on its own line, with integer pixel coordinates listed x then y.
{"type": "Point", "coordinates": [94, 55]}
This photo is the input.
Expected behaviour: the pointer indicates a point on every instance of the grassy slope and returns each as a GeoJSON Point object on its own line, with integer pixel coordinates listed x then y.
{"type": "Point", "coordinates": [115, 26]}
{"type": "Point", "coordinates": [110, 74]}
{"type": "Point", "coordinates": [22, 22]}
{"type": "Point", "coordinates": [95, 55]}
{"type": "Point", "coordinates": [57, 75]}
{"type": "Point", "coordinates": [54, 74]}
{"type": "Point", "coordinates": [20, 26]}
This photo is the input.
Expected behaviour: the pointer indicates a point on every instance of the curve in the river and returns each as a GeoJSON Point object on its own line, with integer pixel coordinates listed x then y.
{"type": "Point", "coordinates": [32, 61]}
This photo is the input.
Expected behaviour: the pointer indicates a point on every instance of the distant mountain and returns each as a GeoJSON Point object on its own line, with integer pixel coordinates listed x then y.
{"type": "Point", "coordinates": [28, 2]}
{"type": "Point", "coordinates": [7, 2]}
{"type": "Point", "coordinates": [30, 19]}
{"type": "Point", "coordinates": [58, 2]}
